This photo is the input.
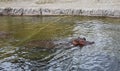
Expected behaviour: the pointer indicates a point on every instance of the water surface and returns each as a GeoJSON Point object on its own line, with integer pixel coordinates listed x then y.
{"type": "Point", "coordinates": [43, 43]}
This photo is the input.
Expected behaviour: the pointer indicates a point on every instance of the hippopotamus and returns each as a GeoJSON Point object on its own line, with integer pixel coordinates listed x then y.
{"type": "Point", "coordinates": [81, 42]}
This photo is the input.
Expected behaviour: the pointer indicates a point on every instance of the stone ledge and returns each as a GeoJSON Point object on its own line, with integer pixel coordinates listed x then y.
{"type": "Point", "coordinates": [36, 11]}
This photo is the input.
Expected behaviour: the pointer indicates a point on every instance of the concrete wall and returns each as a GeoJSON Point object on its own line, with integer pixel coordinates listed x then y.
{"type": "Point", "coordinates": [40, 11]}
{"type": "Point", "coordinates": [61, 7]}
{"type": "Point", "coordinates": [59, 1]}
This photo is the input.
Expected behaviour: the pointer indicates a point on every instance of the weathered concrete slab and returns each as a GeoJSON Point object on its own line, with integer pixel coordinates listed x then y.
{"type": "Point", "coordinates": [76, 7]}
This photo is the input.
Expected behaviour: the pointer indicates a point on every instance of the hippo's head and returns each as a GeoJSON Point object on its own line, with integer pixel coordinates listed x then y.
{"type": "Point", "coordinates": [81, 42]}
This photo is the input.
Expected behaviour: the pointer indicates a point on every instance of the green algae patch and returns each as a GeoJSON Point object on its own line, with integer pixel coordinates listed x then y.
{"type": "Point", "coordinates": [44, 32]}
{"type": "Point", "coordinates": [28, 36]}
{"type": "Point", "coordinates": [24, 30]}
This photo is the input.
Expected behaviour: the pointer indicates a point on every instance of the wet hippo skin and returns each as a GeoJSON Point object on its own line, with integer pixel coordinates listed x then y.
{"type": "Point", "coordinates": [81, 42]}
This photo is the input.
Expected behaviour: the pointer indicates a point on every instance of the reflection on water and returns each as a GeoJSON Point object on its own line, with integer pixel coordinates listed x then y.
{"type": "Point", "coordinates": [102, 56]}
{"type": "Point", "coordinates": [43, 43]}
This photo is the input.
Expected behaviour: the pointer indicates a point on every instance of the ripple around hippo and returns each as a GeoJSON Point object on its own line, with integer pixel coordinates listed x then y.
{"type": "Point", "coordinates": [95, 57]}
{"type": "Point", "coordinates": [95, 61]}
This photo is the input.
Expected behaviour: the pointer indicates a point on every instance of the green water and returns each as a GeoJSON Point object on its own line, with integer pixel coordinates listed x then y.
{"type": "Point", "coordinates": [33, 38]}
{"type": "Point", "coordinates": [20, 31]}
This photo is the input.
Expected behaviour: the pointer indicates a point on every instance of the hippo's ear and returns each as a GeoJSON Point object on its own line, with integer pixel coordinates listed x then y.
{"type": "Point", "coordinates": [84, 38]}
